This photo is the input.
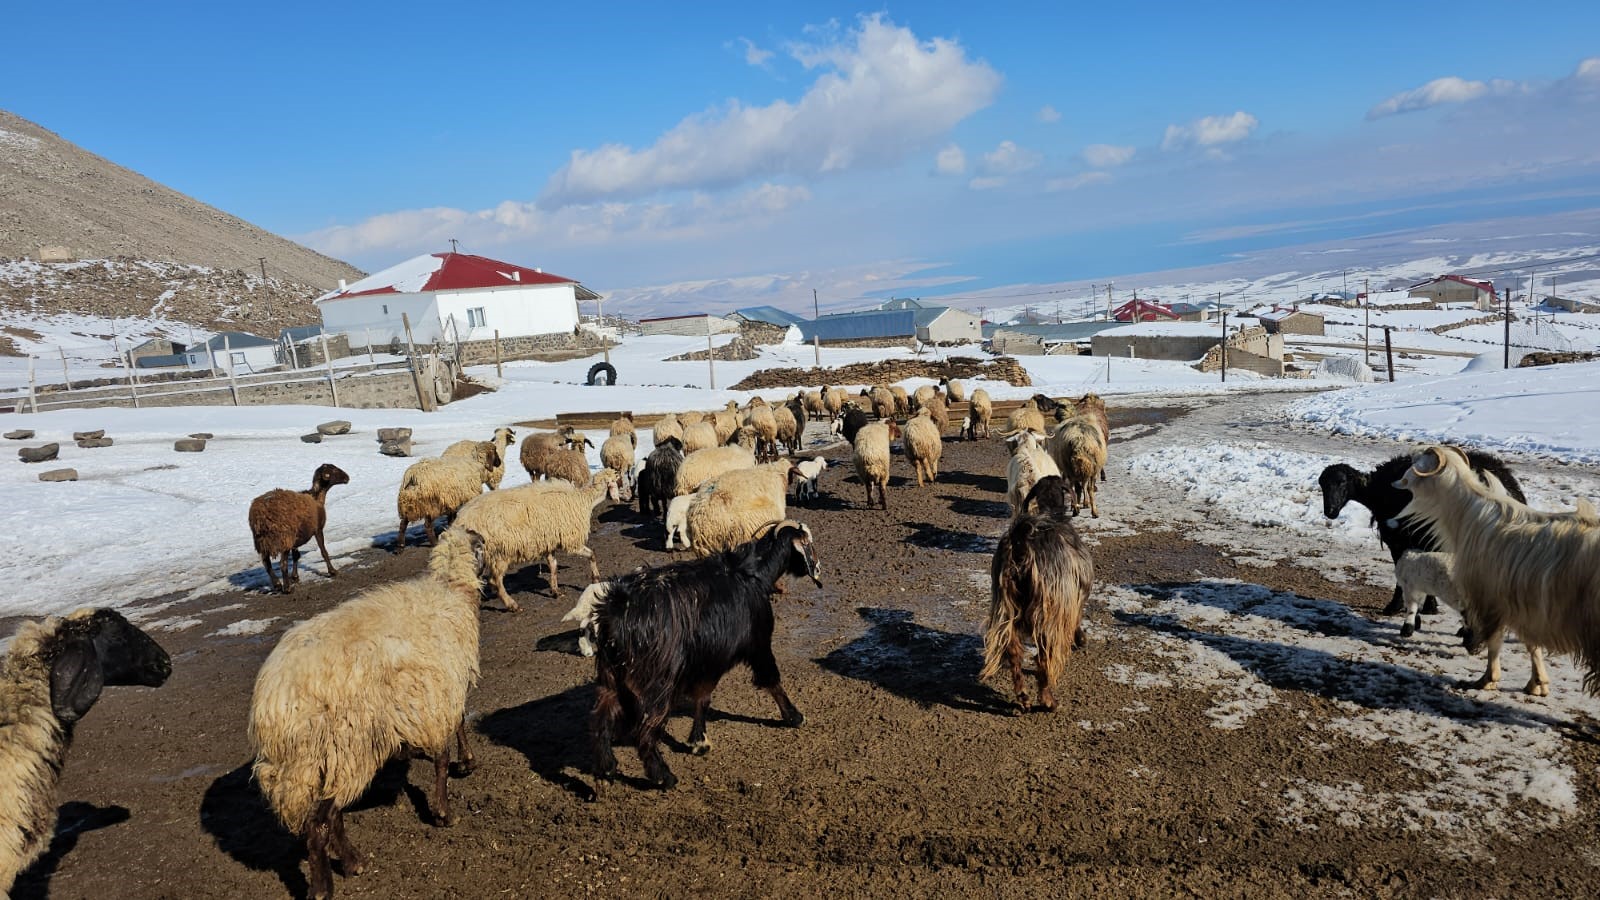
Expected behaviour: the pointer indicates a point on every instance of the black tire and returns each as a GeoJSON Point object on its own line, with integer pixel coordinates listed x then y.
{"type": "Point", "coordinates": [602, 373]}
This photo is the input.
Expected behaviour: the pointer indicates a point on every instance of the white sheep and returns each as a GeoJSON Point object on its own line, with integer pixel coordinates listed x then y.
{"type": "Point", "coordinates": [871, 458]}
{"type": "Point", "coordinates": [923, 445]}
{"type": "Point", "coordinates": [979, 410]}
{"type": "Point", "coordinates": [345, 691]}
{"type": "Point", "coordinates": [953, 390]}
{"type": "Point", "coordinates": [525, 524]}
{"type": "Point", "coordinates": [623, 426]}
{"type": "Point", "coordinates": [810, 470]}
{"type": "Point", "coordinates": [583, 613]}
{"type": "Point", "coordinates": [700, 436]}
{"type": "Point", "coordinates": [502, 439]}
{"type": "Point", "coordinates": [665, 427]}
{"type": "Point", "coordinates": [617, 454]}
{"type": "Point", "coordinates": [1026, 416]}
{"type": "Point", "coordinates": [1030, 462]}
{"type": "Point", "coordinates": [729, 511]}
{"type": "Point", "coordinates": [677, 522]}
{"type": "Point", "coordinates": [432, 488]}
{"type": "Point", "coordinates": [761, 418]}
{"type": "Point", "coordinates": [726, 422]}
{"type": "Point", "coordinates": [50, 677]}
{"type": "Point", "coordinates": [789, 428]}
{"type": "Point", "coordinates": [701, 466]}
{"type": "Point", "coordinates": [1078, 447]}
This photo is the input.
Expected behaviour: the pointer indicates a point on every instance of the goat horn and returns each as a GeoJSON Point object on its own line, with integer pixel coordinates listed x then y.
{"type": "Point", "coordinates": [1438, 457]}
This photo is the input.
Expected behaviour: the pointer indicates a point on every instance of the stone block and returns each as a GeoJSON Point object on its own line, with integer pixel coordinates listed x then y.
{"type": "Point", "coordinates": [337, 426]}
{"type": "Point", "coordinates": [59, 475]}
{"type": "Point", "coordinates": [38, 454]}
{"type": "Point", "coordinates": [189, 445]}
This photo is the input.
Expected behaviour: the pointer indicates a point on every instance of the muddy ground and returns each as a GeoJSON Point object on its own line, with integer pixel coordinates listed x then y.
{"type": "Point", "coordinates": [907, 778]}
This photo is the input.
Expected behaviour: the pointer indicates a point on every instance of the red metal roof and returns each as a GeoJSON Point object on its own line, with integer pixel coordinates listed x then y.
{"type": "Point", "coordinates": [1146, 311]}
{"type": "Point", "coordinates": [452, 272]}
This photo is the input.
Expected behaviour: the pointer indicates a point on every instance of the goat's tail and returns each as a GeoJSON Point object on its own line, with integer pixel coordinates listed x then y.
{"type": "Point", "coordinates": [1007, 596]}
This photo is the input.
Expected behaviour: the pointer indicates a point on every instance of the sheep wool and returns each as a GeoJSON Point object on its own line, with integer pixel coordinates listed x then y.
{"type": "Point", "coordinates": [526, 524]}
{"type": "Point", "coordinates": [1079, 450]}
{"type": "Point", "coordinates": [730, 510]}
{"type": "Point", "coordinates": [923, 446]}
{"type": "Point", "coordinates": [701, 466]}
{"type": "Point", "coordinates": [700, 436]}
{"type": "Point", "coordinates": [1029, 464]}
{"type": "Point", "coordinates": [495, 462]}
{"type": "Point", "coordinates": [1026, 417]}
{"type": "Point", "coordinates": [569, 465]}
{"type": "Point", "coordinates": [667, 426]}
{"type": "Point", "coordinates": [871, 458]}
{"type": "Point", "coordinates": [536, 451]}
{"type": "Point", "coordinates": [765, 423]}
{"type": "Point", "coordinates": [788, 433]}
{"type": "Point", "coordinates": [954, 390]}
{"type": "Point", "coordinates": [616, 454]}
{"type": "Point", "coordinates": [432, 488]}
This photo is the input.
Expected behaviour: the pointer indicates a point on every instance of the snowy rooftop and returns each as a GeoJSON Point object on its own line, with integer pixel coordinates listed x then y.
{"type": "Point", "coordinates": [1165, 329]}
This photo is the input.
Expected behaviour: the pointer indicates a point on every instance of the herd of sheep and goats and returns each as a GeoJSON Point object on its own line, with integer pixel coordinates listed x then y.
{"type": "Point", "coordinates": [387, 672]}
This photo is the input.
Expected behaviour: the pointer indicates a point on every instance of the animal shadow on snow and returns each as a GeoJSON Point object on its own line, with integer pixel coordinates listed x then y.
{"type": "Point", "coordinates": [73, 819]}
{"type": "Point", "coordinates": [935, 537]}
{"type": "Point", "coordinates": [552, 733]}
{"type": "Point", "coordinates": [237, 817]}
{"type": "Point", "coordinates": [966, 506]}
{"type": "Point", "coordinates": [1374, 685]}
{"type": "Point", "coordinates": [924, 665]}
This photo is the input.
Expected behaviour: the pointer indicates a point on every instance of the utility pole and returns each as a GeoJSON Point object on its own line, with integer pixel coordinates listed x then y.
{"type": "Point", "coordinates": [711, 353]}
{"type": "Point", "coordinates": [1508, 323]}
{"type": "Point", "coordinates": [263, 261]}
{"type": "Point", "coordinates": [453, 243]}
{"type": "Point", "coordinates": [1388, 351]}
{"type": "Point", "coordinates": [600, 316]}
{"type": "Point", "coordinates": [1108, 318]}
{"type": "Point", "coordinates": [816, 343]}
{"type": "Point", "coordinates": [1366, 333]}
{"type": "Point", "coordinates": [1224, 344]}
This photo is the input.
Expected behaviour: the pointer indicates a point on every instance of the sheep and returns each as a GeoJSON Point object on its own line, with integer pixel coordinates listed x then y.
{"type": "Point", "coordinates": [703, 465]}
{"type": "Point", "coordinates": [583, 613]}
{"type": "Point", "coordinates": [1421, 574]}
{"type": "Point", "coordinates": [938, 413]}
{"type": "Point", "coordinates": [922, 395]}
{"type": "Point", "coordinates": [677, 630]}
{"type": "Point", "coordinates": [617, 454]}
{"type": "Point", "coordinates": [953, 390]}
{"type": "Point", "coordinates": [692, 417]}
{"type": "Point", "coordinates": [347, 690]}
{"type": "Point", "coordinates": [1533, 572]}
{"type": "Point", "coordinates": [725, 423]}
{"type": "Point", "coordinates": [1026, 416]}
{"type": "Point", "coordinates": [1030, 464]}
{"type": "Point", "coordinates": [677, 520]}
{"type": "Point", "coordinates": [1376, 491]}
{"type": "Point", "coordinates": [728, 511]}
{"type": "Point", "coordinates": [281, 521]}
{"type": "Point", "coordinates": [526, 524]}
{"type": "Point", "coordinates": [1045, 405]}
{"type": "Point", "coordinates": [1092, 406]}
{"type": "Point", "coordinates": [923, 446]}
{"type": "Point", "coordinates": [816, 407]}
{"type": "Point", "coordinates": [761, 419]}
{"type": "Point", "coordinates": [658, 481]}
{"type": "Point", "coordinates": [537, 449]}
{"type": "Point", "coordinates": [503, 437]}
{"type": "Point", "coordinates": [570, 465]}
{"type": "Point", "coordinates": [882, 402]}
{"type": "Point", "coordinates": [871, 458]}
{"type": "Point", "coordinates": [700, 436]}
{"type": "Point", "coordinates": [979, 410]}
{"type": "Point", "coordinates": [788, 425]}
{"type": "Point", "coordinates": [1039, 579]}
{"type": "Point", "coordinates": [746, 437]}
{"type": "Point", "coordinates": [49, 679]}
{"type": "Point", "coordinates": [1079, 451]}
{"type": "Point", "coordinates": [809, 469]}
{"type": "Point", "coordinates": [832, 400]}
{"type": "Point", "coordinates": [850, 424]}
{"type": "Point", "coordinates": [432, 488]}
{"type": "Point", "coordinates": [623, 426]}
{"type": "Point", "coordinates": [665, 427]}
{"type": "Point", "coordinates": [902, 400]}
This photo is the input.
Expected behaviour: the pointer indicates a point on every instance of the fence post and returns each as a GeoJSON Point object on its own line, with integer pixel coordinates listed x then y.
{"type": "Point", "coordinates": [367, 333]}
{"type": "Point", "coordinates": [133, 381]}
{"type": "Point", "coordinates": [1388, 350]}
{"type": "Point", "coordinates": [327, 358]}
{"type": "Point", "coordinates": [711, 354]}
{"type": "Point", "coordinates": [227, 353]}
{"type": "Point", "coordinates": [64, 375]}
{"type": "Point", "coordinates": [294, 355]}
{"type": "Point", "coordinates": [33, 393]}
{"type": "Point", "coordinates": [497, 372]}
{"type": "Point", "coordinates": [411, 362]}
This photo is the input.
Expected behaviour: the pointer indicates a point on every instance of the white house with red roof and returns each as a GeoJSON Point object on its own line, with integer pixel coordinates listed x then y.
{"type": "Point", "coordinates": [453, 297]}
{"type": "Point", "coordinates": [1456, 289]}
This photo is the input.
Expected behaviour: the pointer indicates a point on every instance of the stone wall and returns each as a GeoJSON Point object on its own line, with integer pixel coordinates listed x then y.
{"type": "Point", "coordinates": [309, 352]}
{"type": "Point", "coordinates": [910, 343]}
{"type": "Point", "coordinates": [1179, 348]}
{"type": "Point", "coordinates": [1002, 368]}
{"type": "Point", "coordinates": [479, 353]}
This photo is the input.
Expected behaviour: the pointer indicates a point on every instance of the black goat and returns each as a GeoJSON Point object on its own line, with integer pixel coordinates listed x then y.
{"type": "Point", "coordinates": [677, 630]}
{"type": "Point", "coordinates": [851, 421]}
{"type": "Point", "coordinates": [658, 479]}
{"type": "Point", "coordinates": [1376, 491]}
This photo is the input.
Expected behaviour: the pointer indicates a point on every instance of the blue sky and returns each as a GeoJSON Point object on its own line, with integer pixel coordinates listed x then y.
{"type": "Point", "coordinates": [715, 150]}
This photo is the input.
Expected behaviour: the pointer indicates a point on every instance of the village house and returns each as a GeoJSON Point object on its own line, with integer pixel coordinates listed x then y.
{"type": "Point", "coordinates": [233, 351]}
{"type": "Point", "coordinates": [1291, 321]}
{"type": "Point", "coordinates": [687, 324]}
{"type": "Point", "coordinates": [1137, 310]}
{"type": "Point", "coordinates": [1456, 289]}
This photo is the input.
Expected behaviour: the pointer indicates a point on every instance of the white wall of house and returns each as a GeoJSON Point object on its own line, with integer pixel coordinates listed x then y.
{"type": "Point", "coordinates": [516, 311]}
{"type": "Point", "coordinates": [245, 360]}
{"type": "Point", "coordinates": [378, 316]}
{"type": "Point", "coordinates": [952, 325]}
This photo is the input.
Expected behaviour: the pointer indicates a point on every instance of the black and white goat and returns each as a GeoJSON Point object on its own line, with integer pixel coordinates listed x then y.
{"type": "Point", "coordinates": [1376, 491]}
{"type": "Point", "coordinates": [676, 630]}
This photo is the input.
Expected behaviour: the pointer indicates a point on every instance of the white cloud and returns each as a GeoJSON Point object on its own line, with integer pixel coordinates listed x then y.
{"type": "Point", "coordinates": [1588, 69]}
{"type": "Point", "coordinates": [1210, 131]}
{"type": "Point", "coordinates": [1435, 93]}
{"type": "Point", "coordinates": [1048, 114]}
{"type": "Point", "coordinates": [1056, 185]}
{"type": "Point", "coordinates": [1009, 159]}
{"type": "Point", "coordinates": [753, 54]}
{"type": "Point", "coordinates": [882, 94]}
{"type": "Point", "coordinates": [986, 182]}
{"type": "Point", "coordinates": [952, 160]}
{"type": "Point", "coordinates": [698, 216]}
{"type": "Point", "coordinates": [1105, 156]}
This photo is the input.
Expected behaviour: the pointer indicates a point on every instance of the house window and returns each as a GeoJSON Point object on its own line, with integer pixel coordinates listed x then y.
{"type": "Point", "coordinates": [386, 309]}
{"type": "Point", "coordinates": [476, 318]}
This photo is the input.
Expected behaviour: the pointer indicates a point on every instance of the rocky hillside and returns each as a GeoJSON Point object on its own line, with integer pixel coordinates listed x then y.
{"type": "Point", "coordinates": [152, 248]}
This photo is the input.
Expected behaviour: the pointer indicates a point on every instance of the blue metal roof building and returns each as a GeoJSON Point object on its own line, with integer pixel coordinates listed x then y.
{"type": "Point", "coordinates": [771, 315]}
{"type": "Point", "coordinates": [896, 323]}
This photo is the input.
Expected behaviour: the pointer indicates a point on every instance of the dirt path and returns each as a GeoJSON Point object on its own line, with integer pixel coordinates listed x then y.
{"type": "Point", "coordinates": [1239, 725]}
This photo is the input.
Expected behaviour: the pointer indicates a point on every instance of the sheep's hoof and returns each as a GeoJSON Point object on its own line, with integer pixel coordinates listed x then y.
{"type": "Point", "coordinates": [444, 821]}
{"type": "Point", "coordinates": [700, 747]}
{"type": "Point", "coordinates": [1537, 688]}
{"type": "Point", "coordinates": [511, 606]}
{"type": "Point", "coordinates": [461, 768]}
{"type": "Point", "coordinates": [1407, 630]}
{"type": "Point", "coordinates": [1481, 684]}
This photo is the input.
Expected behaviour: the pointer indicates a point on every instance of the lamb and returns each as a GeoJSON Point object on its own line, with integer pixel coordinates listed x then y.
{"type": "Point", "coordinates": [1040, 578]}
{"type": "Point", "coordinates": [584, 612]}
{"type": "Point", "coordinates": [525, 524]}
{"type": "Point", "coordinates": [1376, 491]}
{"type": "Point", "coordinates": [1534, 572]}
{"type": "Point", "coordinates": [923, 446]}
{"type": "Point", "coordinates": [281, 521]}
{"type": "Point", "coordinates": [502, 439]}
{"type": "Point", "coordinates": [700, 436]}
{"type": "Point", "coordinates": [871, 458]}
{"type": "Point", "coordinates": [953, 390]}
{"type": "Point", "coordinates": [667, 426]}
{"type": "Point", "coordinates": [902, 400]}
{"type": "Point", "coordinates": [730, 510]}
{"type": "Point", "coordinates": [761, 419]}
{"type": "Point", "coordinates": [788, 425]}
{"type": "Point", "coordinates": [49, 679]}
{"type": "Point", "coordinates": [346, 691]}
{"type": "Point", "coordinates": [703, 465]}
{"type": "Point", "coordinates": [810, 470]}
{"type": "Point", "coordinates": [432, 488]}
{"type": "Point", "coordinates": [570, 465]}
{"type": "Point", "coordinates": [622, 426]}
{"type": "Point", "coordinates": [1079, 451]}
{"type": "Point", "coordinates": [677, 521]}
{"type": "Point", "coordinates": [677, 630]}
{"type": "Point", "coordinates": [658, 482]}
{"type": "Point", "coordinates": [616, 454]}
{"type": "Point", "coordinates": [1421, 574]}
{"type": "Point", "coordinates": [1030, 464]}
{"type": "Point", "coordinates": [979, 410]}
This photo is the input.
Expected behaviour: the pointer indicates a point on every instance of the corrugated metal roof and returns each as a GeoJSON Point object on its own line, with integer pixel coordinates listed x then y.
{"type": "Point", "coordinates": [858, 325]}
{"type": "Point", "coordinates": [237, 340]}
{"type": "Point", "coordinates": [1066, 331]}
{"type": "Point", "coordinates": [298, 333]}
{"type": "Point", "coordinates": [899, 303]}
{"type": "Point", "coordinates": [768, 314]}
{"type": "Point", "coordinates": [927, 314]}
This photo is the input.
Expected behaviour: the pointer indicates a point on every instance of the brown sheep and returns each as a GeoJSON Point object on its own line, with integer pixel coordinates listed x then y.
{"type": "Point", "coordinates": [882, 402]}
{"type": "Point", "coordinates": [902, 400]}
{"type": "Point", "coordinates": [815, 406]}
{"type": "Point", "coordinates": [788, 427]}
{"type": "Point", "coordinates": [939, 413]}
{"type": "Point", "coordinates": [281, 521]}
{"type": "Point", "coordinates": [538, 449]}
{"type": "Point", "coordinates": [569, 465]}
{"type": "Point", "coordinates": [1094, 407]}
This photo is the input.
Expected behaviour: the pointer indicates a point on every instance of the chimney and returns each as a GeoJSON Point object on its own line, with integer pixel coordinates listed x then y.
{"type": "Point", "coordinates": [539, 269]}
{"type": "Point", "coordinates": [341, 284]}
{"type": "Point", "coordinates": [516, 275]}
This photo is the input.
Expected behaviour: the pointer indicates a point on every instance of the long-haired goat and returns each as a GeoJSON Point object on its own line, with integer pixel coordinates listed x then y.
{"type": "Point", "coordinates": [1039, 579]}
{"type": "Point", "coordinates": [678, 629]}
{"type": "Point", "coordinates": [1533, 572]}
{"type": "Point", "coordinates": [1376, 490]}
